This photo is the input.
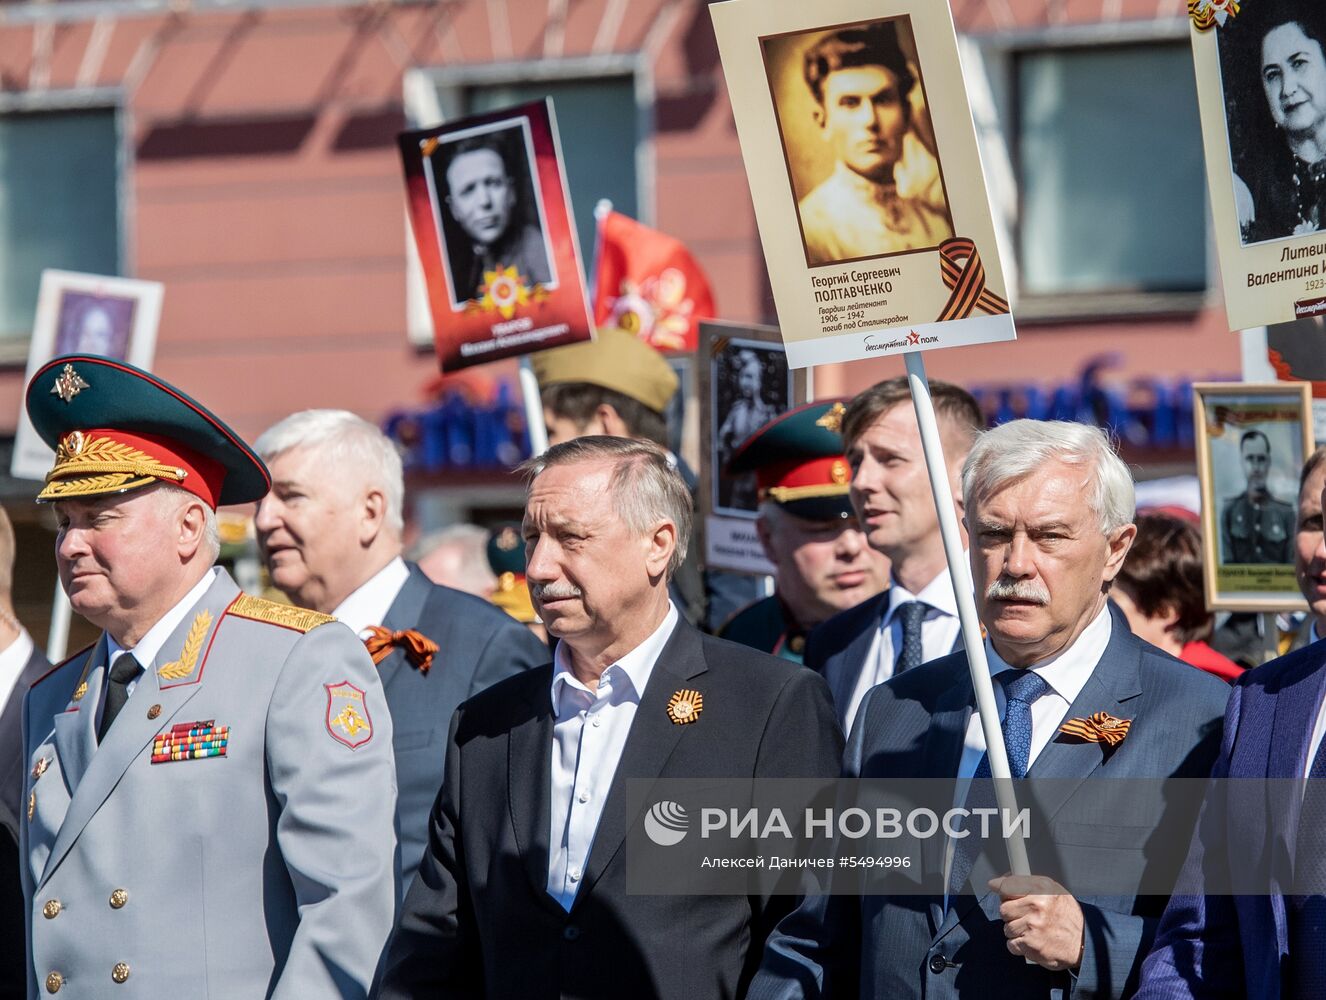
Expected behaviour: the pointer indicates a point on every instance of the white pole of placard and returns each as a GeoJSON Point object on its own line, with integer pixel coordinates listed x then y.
{"type": "Point", "coordinates": [57, 640]}
{"type": "Point", "coordinates": [529, 389]}
{"type": "Point", "coordinates": [960, 572]}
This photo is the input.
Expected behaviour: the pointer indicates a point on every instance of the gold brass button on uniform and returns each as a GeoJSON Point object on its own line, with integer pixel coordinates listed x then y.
{"type": "Point", "coordinates": [118, 898]}
{"type": "Point", "coordinates": [52, 909]}
{"type": "Point", "coordinates": [154, 711]}
{"type": "Point", "coordinates": [53, 982]}
{"type": "Point", "coordinates": [121, 972]}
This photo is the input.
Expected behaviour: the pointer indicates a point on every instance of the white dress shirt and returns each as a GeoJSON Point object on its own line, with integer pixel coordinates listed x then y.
{"type": "Point", "coordinates": [589, 732]}
{"type": "Point", "coordinates": [939, 630]}
{"type": "Point", "coordinates": [1066, 673]}
{"type": "Point", "coordinates": [12, 661]}
{"type": "Point", "coordinates": [369, 603]}
{"type": "Point", "coordinates": [150, 644]}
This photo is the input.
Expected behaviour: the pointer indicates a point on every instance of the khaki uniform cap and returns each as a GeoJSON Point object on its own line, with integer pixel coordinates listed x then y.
{"type": "Point", "coordinates": [617, 360]}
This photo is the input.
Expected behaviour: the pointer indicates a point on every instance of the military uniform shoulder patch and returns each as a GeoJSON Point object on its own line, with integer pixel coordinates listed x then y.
{"type": "Point", "coordinates": [286, 615]}
{"type": "Point", "coordinates": [348, 720]}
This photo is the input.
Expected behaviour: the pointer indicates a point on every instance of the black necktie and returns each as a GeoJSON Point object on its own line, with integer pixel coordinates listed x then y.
{"type": "Point", "coordinates": [1307, 908]}
{"type": "Point", "coordinates": [122, 671]}
{"type": "Point", "coordinates": [912, 614]}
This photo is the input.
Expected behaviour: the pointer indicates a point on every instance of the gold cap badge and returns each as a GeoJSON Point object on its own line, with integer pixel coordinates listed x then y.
{"type": "Point", "coordinates": [68, 384]}
{"type": "Point", "coordinates": [685, 706]}
{"type": "Point", "coordinates": [833, 418]}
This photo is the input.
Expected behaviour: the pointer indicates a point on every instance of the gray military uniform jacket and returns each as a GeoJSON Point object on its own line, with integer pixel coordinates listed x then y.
{"type": "Point", "coordinates": [233, 834]}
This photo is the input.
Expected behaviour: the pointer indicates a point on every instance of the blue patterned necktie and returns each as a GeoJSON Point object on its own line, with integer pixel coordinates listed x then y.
{"type": "Point", "coordinates": [1307, 913]}
{"type": "Point", "coordinates": [912, 654]}
{"type": "Point", "coordinates": [1021, 689]}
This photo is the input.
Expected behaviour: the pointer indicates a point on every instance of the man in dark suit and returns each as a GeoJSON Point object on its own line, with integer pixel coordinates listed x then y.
{"type": "Point", "coordinates": [916, 619]}
{"type": "Point", "coordinates": [21, 663]}
{"type": "Point", "coordinates": [1270, 943]}
{"type": "Point", "coordinates": [330, 531]}
{"type": "Point", "coordinates": [1048, 509]}
{"type": "Point", "coordinates": [522, 891]}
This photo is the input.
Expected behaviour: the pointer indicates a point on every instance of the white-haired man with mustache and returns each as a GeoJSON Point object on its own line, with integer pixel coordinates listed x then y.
{"type": "Point", "coordinates": [1049, 509]}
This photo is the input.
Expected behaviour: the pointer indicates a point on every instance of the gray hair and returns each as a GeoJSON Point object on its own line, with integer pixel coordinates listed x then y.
{"type": "Point", "coordinates": [645, 487]}
{"type": "Point", "coordinates": [211, 530]}
{"type": "Point", "coordinates": [1018, 448]}
{"type": "Point", "coordinates": [349, 441]}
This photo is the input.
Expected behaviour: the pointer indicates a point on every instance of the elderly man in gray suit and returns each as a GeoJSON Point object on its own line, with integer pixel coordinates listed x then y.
{"type": "Point", "coordinates": [330, 530]}
{"type": "Point", "coordinates": [1048, 507]}
{"type": "Point", "coordinates": [209, 792]}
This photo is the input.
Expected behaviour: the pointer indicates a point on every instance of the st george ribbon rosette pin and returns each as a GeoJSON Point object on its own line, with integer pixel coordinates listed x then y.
{"type": "Point", "coordinates": [1099, 728]}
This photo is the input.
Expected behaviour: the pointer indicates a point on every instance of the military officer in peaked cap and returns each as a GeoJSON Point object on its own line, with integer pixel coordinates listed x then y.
{"type": "Point", "coordinates": [506, 558]}
{"type": "Point", "coordinates": [822, 563]}
{"type": "Point", "coordinates": [210, 789]}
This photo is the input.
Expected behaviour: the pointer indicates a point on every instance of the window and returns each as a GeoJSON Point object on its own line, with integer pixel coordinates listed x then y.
{"type": "Point", "coordinates": [59, 203]}
{"type": "Point", "coordinates": [1111, 180]}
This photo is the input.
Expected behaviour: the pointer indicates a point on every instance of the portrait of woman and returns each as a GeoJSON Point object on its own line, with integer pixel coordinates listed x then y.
{"type": "Point", "coordinates": [1273, 70]}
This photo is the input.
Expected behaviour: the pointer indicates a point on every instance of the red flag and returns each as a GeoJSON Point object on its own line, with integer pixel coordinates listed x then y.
{"type": "Point", "coordinates": [649, 284]}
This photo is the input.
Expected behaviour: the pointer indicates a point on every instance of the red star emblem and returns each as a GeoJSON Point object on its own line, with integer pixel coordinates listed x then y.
{"type": "Point", "coordinates": [913, 337]}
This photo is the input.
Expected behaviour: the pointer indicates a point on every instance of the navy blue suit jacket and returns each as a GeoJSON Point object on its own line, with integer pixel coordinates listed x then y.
{"type": "Point", "coordinates": [914, 726]}
{"type": "Point", "coordinates": [479, 646]}
{"type": "Point", "coordinates": [1234, 946]}
{"type": "Point", "coordinates": [838, 648]}
{"type": "Point", "coordinates": [13, 936]}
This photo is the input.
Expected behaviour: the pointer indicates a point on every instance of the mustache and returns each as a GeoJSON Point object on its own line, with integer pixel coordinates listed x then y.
{"type": "Point", "coordinates": [1005, 589]}
{"type": "Point", "coordinates": [553, 591]}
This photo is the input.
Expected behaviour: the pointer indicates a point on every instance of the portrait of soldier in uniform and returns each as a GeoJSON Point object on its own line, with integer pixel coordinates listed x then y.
{"type": "Point", "coordinates": [488, 210]}
{"type": "Point", "coordinates": [859, 142]}
{"type": "Point", "coordinates": [1255, 526]}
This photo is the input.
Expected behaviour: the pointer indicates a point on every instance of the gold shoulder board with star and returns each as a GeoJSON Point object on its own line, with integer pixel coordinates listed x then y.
{"type": "Point", "coordinates": [286, 615]}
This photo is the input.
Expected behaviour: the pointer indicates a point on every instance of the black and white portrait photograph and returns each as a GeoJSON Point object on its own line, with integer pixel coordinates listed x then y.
{"type": "Point", "coordinates": [1252, 440]}
{"type": "Point", "coordinates": [488, 206]}
{"type": "Point", "coordinates": [1273, 79]}
{"type": "Point", "coordinates": [750, 386]}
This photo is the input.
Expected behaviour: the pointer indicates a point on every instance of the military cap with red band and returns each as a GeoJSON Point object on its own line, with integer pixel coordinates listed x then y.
{"type": "Point", "coordinates": [117, 428]}
{"type": "Point", "coordinates": [798, 461]}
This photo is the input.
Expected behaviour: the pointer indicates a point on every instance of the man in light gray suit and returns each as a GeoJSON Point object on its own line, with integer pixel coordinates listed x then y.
{"type": "Point", "coordinates": [330, 530]}
{"type": "Point", "coordinates": [209, 789]}
{"type": "Point", "coordinates": [1049, 509]}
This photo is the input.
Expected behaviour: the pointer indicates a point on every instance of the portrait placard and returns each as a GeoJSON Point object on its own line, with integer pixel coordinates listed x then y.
{"type": "Point", "coordinates": [1252, 440]}
{"type": "Point", "coordinates": [744, 383]}
{"type": "Point", "coordinates": [84, 314]}
{"type": "Point", "coordinates": [1261, 74]}
{"type": "Point", "coordinates": [865, 173]}
{"type": "Point", "coordinates": [491, 218]}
